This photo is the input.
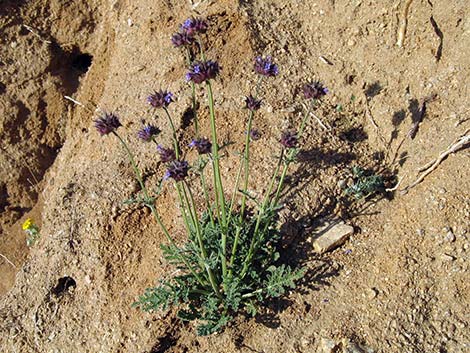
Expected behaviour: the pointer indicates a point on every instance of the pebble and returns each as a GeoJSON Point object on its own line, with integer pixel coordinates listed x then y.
{"type": "Point", "coordinates": [372, 293]}
{"type": "Point", "coordinates": [332, 236]}
{"type": "Point", "coordinates": [342, 184]}
{"type": "Point", "coordinates": [327, 346]}
{"type": "Point", "coordinates": [351, 42]}
{"type": "Point", "coordinates": [351, 347]}
{"type": "Point", "coordinates": [450, 236]}
{"type": "Point", "coordinates": [447, 258]}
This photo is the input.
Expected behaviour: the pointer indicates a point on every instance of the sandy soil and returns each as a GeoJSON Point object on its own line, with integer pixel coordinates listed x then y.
{"type": "Point", "coordinates": [400, 283]}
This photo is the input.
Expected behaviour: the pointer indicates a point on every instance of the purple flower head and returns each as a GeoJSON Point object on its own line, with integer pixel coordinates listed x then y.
{"type": "Point", "coordinates": [166, 154]}
{"type": "Point", "coordinates": [202, 145]}
{"type": "Point", "coordinates": [265, 66]}
{"type": "Point", "coordinates": [160, 99]}
{"type": "Point", "coordinates": [193, 26]}
{"type": "Point", "coordinates": [202, 71]}
{"type": "Point", "coordinates": [180, 39]}
{"type": "Point", "coordinates": [289, 139]}
{"type": "Point", "coordinates": [252, 103]}
{"type": "Point", "coordinates": [148, 132]}
{"type": "Point", "coordinates": [255, 135]}
{"type": "Point", "coordinates": [177, 170]}
{"type": "Point", "coordinates": [107, 123]}
{"type": "Point", "coordinates": [314, 90]}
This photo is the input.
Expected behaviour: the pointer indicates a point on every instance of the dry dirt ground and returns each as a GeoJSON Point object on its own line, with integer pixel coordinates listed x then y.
{"type": "Point", "coordinates": [400, 283]}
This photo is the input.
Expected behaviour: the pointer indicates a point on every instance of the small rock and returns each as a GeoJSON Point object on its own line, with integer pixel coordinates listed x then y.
{"type": "Point", "coordinates": [372, 293]}
{"type": "Point", "coordinates": [305, 342]}
{"type": "Point", "coordinates": [327, 346]}
{"type": "Point", "coordinates": [342, 184]}
{"type": "Point", "coordinates": [447, 258]}
{"type": "Point", "coordinates": [450, 236]}
{"type": "Point", "coordinates": [351, 347]}
{"type": "Point", "coordinates": [332, 237]}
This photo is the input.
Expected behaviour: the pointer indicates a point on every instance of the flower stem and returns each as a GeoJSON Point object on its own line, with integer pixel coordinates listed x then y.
{"type": "Point", "coordinates": [246, 162]}
{"type": "Point", "coordinates": [218, 180]}
{"type": "Point", "coordinates": [206, 196]}
{"type": "Point", "coordinates": [290, 156]}
{"type": "Point", "coordinates": [261, 213]}
{"type": "Point", "coordinates": [175, 139]}
{"type": "Point", "coordinates": [210, 273]}
{"type": "Point", "coordinates": [193, 95]}
{"type": "Point", "coordinates": [152, 208]}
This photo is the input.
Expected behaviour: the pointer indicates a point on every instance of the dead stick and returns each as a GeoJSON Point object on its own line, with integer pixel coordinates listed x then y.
{"type": "Point", "coordinates": [403, 24]}
{"type": "Point", "coordinates": [428, 165]}
{"type": "Point", "coordinates": [7, 260]}
{"type": "Point", "coordinates": [459, 143]}
{"type": "Point", "coordinates": [320, 122]}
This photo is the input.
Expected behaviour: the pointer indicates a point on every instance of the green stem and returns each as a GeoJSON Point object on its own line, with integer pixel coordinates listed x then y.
{"type": "Point", "coordinates": [193, 96]}
{"type": "Point", "coordinates": [305, 119]}
{"type": "Point", "coordinates": [153, 209]}
{"type": "Point", "coordinates": [246, 160]}
{"type": "Point", "coordinates": [260, 216]}
{"type": "Point", "coordinates": [201, 48]}
{"type": "Point", "coordinates": [206, 196]}
{"type": "Point", "coordinates": [234, 193]}
{"type": "Point", "coordinates": [215, 155]}
{"type": "Point", "coordinates": [218, 180]}
{"type": "Point", "coordinates": [210, 273]}
{"type": "Point", "coordinates": [173, 129]}
{"type": "Point", "coordinates": [182, 205]}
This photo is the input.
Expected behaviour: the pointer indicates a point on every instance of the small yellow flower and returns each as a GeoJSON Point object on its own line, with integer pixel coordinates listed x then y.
{"type": "Point", "coordinates": [28, 224]}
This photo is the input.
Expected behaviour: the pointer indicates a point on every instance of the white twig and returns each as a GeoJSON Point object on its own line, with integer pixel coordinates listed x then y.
{"type": "Point", "coordinates": [30, 29]}
{"type": "Point", "coordinates": [368, 113]}
{"type": "Point", "coordinates": [403, 24]}
{"type": "Point", "coordinates": [396, 186]}
{"type": "Point", "coordinates": [7, 260]}
{"type": "Point", "coordinates": [428, 168]}
{"type": "Point", "coordinates": [74, 101]}
{"type": "Point", "coordinates": [327, 128]}
{"type": "Point", "coordinates": [325, 60]}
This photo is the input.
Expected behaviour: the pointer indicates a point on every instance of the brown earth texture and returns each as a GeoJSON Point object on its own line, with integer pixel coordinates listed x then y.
{"type": "Point", "coordinates": [400, 283]}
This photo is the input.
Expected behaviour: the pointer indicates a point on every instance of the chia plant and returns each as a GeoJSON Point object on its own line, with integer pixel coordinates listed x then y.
{"type": "Point", "coordinates": [230, 261]}
{"type": "Point", "coordinates": [366, 184]}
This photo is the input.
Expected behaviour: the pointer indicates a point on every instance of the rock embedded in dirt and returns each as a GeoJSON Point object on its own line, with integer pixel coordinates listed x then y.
{"type": "Point", "coordinates": [332, 236]}
{"type": "Point", "coordinates": [450, 236]}
{"type": "Point", "coordinates": [447, 257]}
{"type": "Point", "coordinates": [351, 347]}
{"type": "Point", "coordinates": [327, 346]}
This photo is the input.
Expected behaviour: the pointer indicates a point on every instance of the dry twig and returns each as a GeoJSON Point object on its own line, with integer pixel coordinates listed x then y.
{"type": "Point", "coordinates": [403, 24]}
{"type": "Point", "coordinates": [368, 113]}
{"type": "Point", "coordinates": [397, 185]}
{"type": "Point", "coordinates": [7, 260]}
{"type": "Point", "coordinates": [428, 168]}
{"type": "Point", "coordinates": [31, 30]}
{"type": "Point", "coordinates": [325, 127]}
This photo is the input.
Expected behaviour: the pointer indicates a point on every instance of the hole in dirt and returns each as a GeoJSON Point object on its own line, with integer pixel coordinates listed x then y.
{"type": "Point", "coordinates": [69, 65]}
{"type": "Point", "coordinates": [63, 286]}
{"type": "Point", "coordinates": [82, 62]}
